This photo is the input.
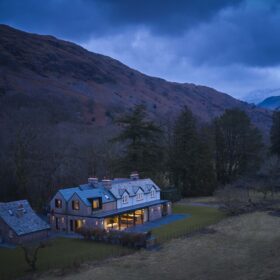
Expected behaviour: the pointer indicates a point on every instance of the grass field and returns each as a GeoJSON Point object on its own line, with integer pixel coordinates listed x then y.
{"type": "Point", "coordinates": [62, 253]}
{"type": "Point", "coordinates": [65, 252]}
{"type": "Point", "coordinates": [200, 217]}
{"type": "Point", "coordinates": [241, 247]}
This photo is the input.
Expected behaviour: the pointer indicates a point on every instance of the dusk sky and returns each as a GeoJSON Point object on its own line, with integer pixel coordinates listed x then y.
{"type": "Point", "coordinates": [231, 45]}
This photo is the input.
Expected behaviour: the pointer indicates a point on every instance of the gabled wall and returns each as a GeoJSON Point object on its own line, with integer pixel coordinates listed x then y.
{"type": "Point", "coordinates": [64, 203]}
{"type": "Point", "coordinates": [84, 209]}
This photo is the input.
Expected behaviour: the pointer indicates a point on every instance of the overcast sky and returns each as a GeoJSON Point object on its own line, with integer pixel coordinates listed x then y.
{"type": "Point", "coordinates": [231, 45]}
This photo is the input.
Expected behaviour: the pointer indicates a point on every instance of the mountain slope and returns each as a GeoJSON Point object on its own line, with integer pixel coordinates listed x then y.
{"type": "Point", "coordinates": [272, 103]}
{"type": "Point", "coordinates": [69, 83]}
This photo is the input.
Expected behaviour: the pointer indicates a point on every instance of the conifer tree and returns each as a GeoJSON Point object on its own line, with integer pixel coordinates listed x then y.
{"type": "Point", "coordinates": [141, 140]}
{"type": "Point", "coordinates": [191, 163]}
{"type": "Point", "coordinates": [238, 145]}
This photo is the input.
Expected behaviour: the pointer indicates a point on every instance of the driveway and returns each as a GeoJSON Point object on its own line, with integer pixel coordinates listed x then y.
{"type": "Point", "coordinates": [157, 223]}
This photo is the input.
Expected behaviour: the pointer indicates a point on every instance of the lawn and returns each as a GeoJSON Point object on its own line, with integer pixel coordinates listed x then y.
{"type": "Point", "coordinates": [61, 253]}
{"type": "Point", "coordinates": [201, 216]}
{"type": "Point", "coordinates": [67, 252]}
{"type": "Point", "coordinates": [240, 247]}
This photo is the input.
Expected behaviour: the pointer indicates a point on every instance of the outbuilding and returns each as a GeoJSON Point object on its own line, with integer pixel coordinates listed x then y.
{"type": "Point", "coordinates": [20, 224]}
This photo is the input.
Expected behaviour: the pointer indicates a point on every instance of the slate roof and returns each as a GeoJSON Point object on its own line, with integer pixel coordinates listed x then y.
{"type": "Point", "coordinates": [87, 191]}
{"type": "Point", "coordinates": [132, 186]}
{"type": "Point", "coordinates": [119, 186]}
{"type": "Point", "coordinates": [21, 218]}
{"type": "Point", "coordinates": [129, 208]}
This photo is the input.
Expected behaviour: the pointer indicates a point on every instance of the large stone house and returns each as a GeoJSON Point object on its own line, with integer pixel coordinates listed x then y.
{"type": "Point", "coordinates": [20, 224]}
{"type": "Point", "coordinates": [109, 204]}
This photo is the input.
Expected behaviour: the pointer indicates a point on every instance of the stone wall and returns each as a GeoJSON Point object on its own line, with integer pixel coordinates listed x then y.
{"type": "Point", "coordinates": [155, 212]}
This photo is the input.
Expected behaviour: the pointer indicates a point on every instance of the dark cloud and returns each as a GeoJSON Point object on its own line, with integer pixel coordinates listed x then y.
{"type": "Point", "coordinates": [248, 35]}
{"type": "Point", "coordinates": [232, 45]}
{"type": "Point", "coordinates": [79, 19]}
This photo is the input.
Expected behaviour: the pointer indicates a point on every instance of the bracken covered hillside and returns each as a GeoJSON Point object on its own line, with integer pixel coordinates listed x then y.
{"type": "Point", "coordinates": [66, 83]}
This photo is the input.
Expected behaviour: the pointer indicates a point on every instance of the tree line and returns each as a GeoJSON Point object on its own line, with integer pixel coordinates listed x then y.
{"type": "Point", "coordinates": [192, 157]}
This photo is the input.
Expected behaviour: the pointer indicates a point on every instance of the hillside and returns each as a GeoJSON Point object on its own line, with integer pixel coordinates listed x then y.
{"type": "Point", "coordinates": [272, 103]}
{"type": "Point", "coordinates": [67, 83]}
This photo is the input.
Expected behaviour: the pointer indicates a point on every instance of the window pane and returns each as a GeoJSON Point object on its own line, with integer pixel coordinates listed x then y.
{"type": "Point", "coordinates": [95, 204]}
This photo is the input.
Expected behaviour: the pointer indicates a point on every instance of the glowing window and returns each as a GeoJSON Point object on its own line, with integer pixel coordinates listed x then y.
{"type": "Point", "coordinates": [75, 205]}
{"type": "Point", "coordinates": [58, 203]}
{"type": "Point", "coordinates": [95, 204]}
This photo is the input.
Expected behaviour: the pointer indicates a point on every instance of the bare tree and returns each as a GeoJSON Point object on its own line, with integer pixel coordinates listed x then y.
{"type": "Point", "coordinates": [31, 251]}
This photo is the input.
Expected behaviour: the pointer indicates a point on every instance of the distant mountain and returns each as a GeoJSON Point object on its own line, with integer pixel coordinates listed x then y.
{"type": "Point", "coordinates": [258, 96]}
{"type": "Point", "coordinates": [60, 81]}
{"type": "Point", "coordinates": [271, 103]}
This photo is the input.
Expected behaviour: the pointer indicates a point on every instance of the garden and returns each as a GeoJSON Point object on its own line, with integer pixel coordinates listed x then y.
{"type": "Point", "coordinates": [68, 253]}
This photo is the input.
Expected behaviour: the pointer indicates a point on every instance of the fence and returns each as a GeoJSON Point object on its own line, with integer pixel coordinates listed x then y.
{"type": "Point", "coordinates": [183, 231]}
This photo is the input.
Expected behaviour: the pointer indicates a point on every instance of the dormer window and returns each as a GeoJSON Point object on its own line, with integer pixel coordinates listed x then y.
{"type": "Point", "coordinates": [58, 203]}
{"type": "Point", "coordinates": [139, 196]}
{"type": "Point", "coordinates": [153, 193]}
{"type": "Point", "coordinates": [75, 205]}
{"type": "Point", "coordinates": [96, 204]}
{"type": "Point", "coordinates": [125, 199]}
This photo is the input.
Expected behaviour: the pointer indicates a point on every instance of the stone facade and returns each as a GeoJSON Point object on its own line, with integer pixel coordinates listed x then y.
{"type": "Point", "coordinates": [108, 204]}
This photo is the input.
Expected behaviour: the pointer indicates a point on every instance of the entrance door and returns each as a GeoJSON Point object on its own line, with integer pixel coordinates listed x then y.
{"type": "Point", "coordinates": [57, 223]}
{"type": "Point", "coordinates": [78, 224]}
{"type": "Point", "coordinates": [71, 225]}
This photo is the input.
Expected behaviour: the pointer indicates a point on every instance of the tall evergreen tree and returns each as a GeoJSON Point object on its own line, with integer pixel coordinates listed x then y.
{"type": "Point", "coordinates": [238, 145]}
{"type": "Point", "coordinates": [275, 134]}
{"type": "Point", "coordinates": [141, 139]}
{"type": "Point", "coordinates": [191, 163]}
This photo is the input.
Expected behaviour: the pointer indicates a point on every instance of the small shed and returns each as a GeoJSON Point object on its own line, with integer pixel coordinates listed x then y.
{"type": "Point", "coordinates": [20, 224]}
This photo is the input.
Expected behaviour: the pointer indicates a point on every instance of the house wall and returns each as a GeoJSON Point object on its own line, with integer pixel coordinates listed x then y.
{"type": "Point", "coordinates": [169, 208]}
{"type": "Point", "coordinates": [4, 231]}
{"type": "Point", "coordinates": [155, 212]}
{"type": "Point", "coordinates": [9, 236]}
{"type": "Point", "coordinates": [84, 209]}
{"type": "Point", "coordinates": [64, 203]}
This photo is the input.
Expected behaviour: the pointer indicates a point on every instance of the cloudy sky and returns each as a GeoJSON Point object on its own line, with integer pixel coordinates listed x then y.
{"type": "Point", "coordinates": [231, 45]}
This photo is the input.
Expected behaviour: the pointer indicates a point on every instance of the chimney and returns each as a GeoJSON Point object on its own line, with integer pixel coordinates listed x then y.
{"type": "Point", "coordinates": [93, 181]}
{"type": "Point", "coordinates": [20, 211]}
{"type": "Point", "coordinates": [107, 183]}
{"type": "Point", "coordinates": [134, 175]}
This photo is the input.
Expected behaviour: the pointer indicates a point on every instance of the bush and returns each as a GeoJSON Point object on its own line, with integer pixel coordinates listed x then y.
{"type": "Point", "coordinates": [127, 239]}
{"type": "Point", "coordinates": [235, 200]}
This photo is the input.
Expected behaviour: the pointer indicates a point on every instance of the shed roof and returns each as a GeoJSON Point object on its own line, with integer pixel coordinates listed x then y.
{"type": "Point", "coordinates": [21, 218]}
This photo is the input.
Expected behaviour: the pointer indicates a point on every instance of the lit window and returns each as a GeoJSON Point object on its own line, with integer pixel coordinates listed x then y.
{"type": "Point", "coordinates": [75, 205]}
{"type": "Point", "coordinates": [125, 199]}
{"type": "Point", "coordinates": [139, 196]}
{"type": "Point", "coordinates": [95, 204]}
{"type": "Point", "coordinates": [58, 203]}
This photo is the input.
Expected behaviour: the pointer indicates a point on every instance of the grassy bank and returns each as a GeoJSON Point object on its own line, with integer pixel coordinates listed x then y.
{"type": "Point", "coordinates": [61, 253]}
{"type": "Point", "coordinates": [201, 216]}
